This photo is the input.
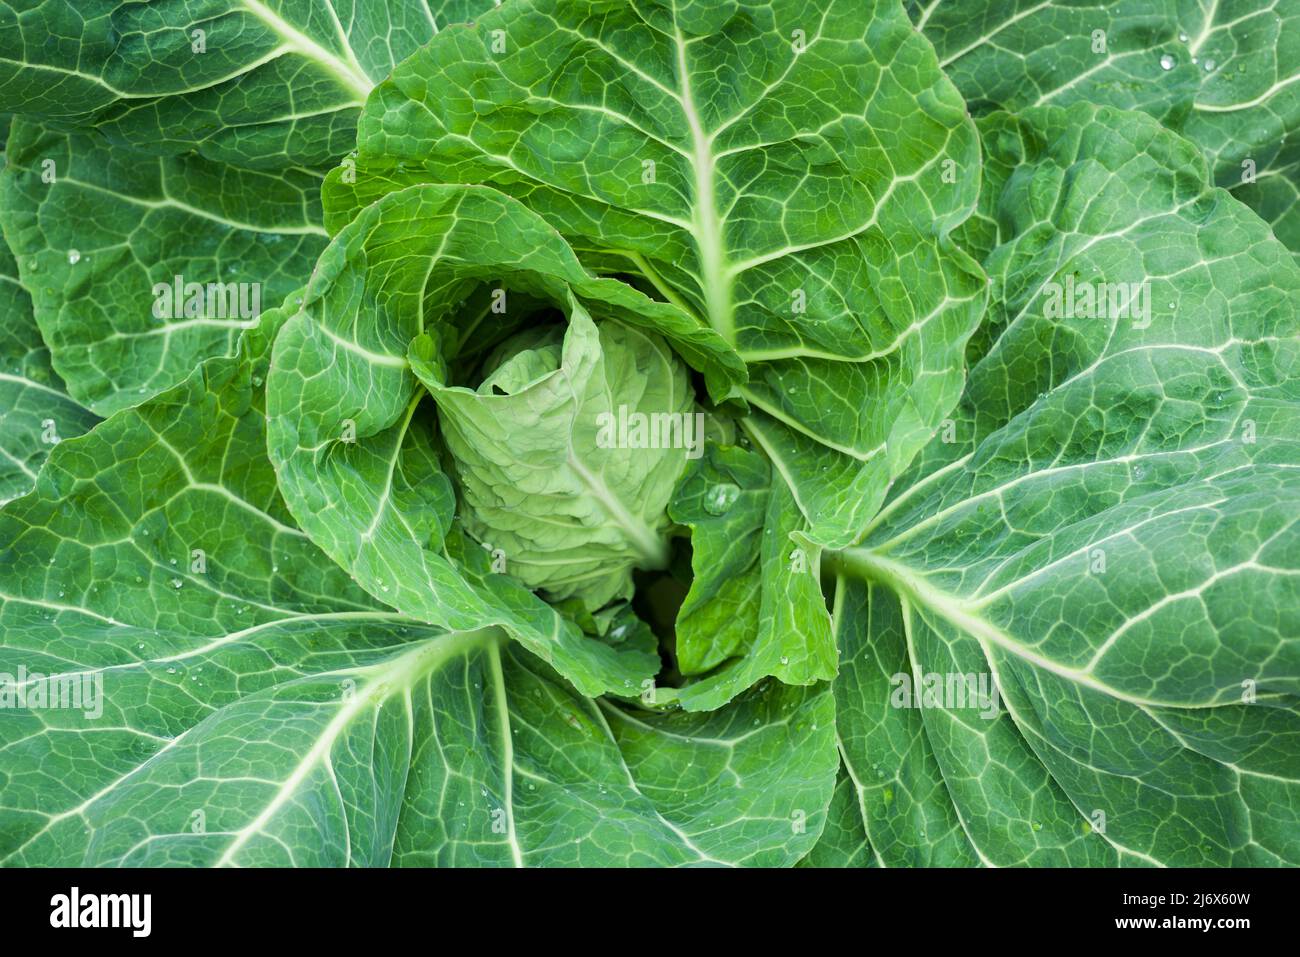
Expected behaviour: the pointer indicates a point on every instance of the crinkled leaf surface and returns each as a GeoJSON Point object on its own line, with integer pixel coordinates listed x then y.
{"type": "Point", "coordinates": [1275, 195]}
{"type": "Point", "coordinates": [252, 82]}
{"type": "Point", "coordinates": [1227, 75]}
{"type": "Point", "coordinates": [36, 412]}
{"type": "Point", "coordinates": [545, 480]}
{"type": "Point", "coordinates": [787, 171]}
{"type": "Point", "coordinates": [755, 606]}
{"type": "Point", "coordinates": [264, 710]}
{"type": "Point", "coordinates": [95, 227]}
{"type": "Point", "coordinates": [1111, 534]}
{"type": "Point", "coordinates": [843, 841]}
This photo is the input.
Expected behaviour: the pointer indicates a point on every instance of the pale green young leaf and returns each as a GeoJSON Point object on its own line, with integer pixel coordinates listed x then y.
{"type": "Point", "coordinates": [547, 481]}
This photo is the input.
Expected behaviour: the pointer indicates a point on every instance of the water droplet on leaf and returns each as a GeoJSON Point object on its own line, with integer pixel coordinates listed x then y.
{"type": "Point", "coordinates": [719, 499]}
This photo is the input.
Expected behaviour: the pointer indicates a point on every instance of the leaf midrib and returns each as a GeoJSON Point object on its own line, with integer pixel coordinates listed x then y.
{"type": "Point", "coordinates": [347, 71]}
{"type": "Point", "coordinates": [707, 225]}
{"type": "Point", "coordinates": [911, 584]}
{"type": "Point", "coordinates": [387, 679]}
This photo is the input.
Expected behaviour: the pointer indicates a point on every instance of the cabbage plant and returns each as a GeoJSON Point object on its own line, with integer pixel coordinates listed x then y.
{"type": "Point", "coordinates": [650, 432]}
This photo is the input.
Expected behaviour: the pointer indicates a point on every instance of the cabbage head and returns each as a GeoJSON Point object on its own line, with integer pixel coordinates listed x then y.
{"type": "Point", "coordinates": [567, 452]}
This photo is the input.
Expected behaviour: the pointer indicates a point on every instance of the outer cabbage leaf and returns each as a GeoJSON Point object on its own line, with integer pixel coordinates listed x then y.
{"type": "Point", "coordinates": [787, 171]}
{"type": "Point", "coordinates": [356, 452]}
{"type": "Point", "coordinates": [264, 710]}
{"type": "Point", "coordinates": [1226, 75]}
{"type": "Point", "coordinates": [544, 480]}
{"type": "Point", "coordinates": [1275, 195]}
{"type": "Point", "coordinates": [843, 841]}
{"type": "Point", "coordinates": [1111, 534]}
{"type": "Point", "coordinates": [36, 412]}
{"type": "Point", "coordinates": [253, 83]}
{"type": "Point", "coordinates": [96, 227]}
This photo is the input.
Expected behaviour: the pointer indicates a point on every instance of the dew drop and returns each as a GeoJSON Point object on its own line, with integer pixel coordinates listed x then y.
{"type": "Point", "coordinates": [1209, 65]}
{"type": "Point", "coordinates": [719, 499]}
{"type": "Point", "coordinates": [1166, 62]}
{"type": "Point", "coordinates": [176, 583]}
{"type": "Point", "coordinates": [74, 257]}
